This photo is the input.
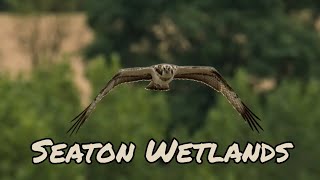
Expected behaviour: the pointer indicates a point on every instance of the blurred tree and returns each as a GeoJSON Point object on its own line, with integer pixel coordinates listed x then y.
{"type": "Point", "coordinates": [288, 114]}
{"type": "Point", "coordinates": [40, 106]}
{"type": "Point", "coordinates": [31, 110]}
{"type": "Point", "coordinates": [3, 5]}
{"type": "Point", "coordinates": [259, 35]}
{"type": "Point", "coordinates": [36, 6]}
{"type": "Point", "coordinates": [37, 108]}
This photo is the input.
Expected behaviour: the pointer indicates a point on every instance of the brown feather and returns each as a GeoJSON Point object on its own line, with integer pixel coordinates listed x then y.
{"type": "Point", "coordinates": [118, 79]}
{"type": "Point", "coordinates": [213, 79]}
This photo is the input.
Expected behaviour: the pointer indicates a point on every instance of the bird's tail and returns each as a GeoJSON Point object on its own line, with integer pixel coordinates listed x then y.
{"type": "Point", "coordinates": [156, 87]}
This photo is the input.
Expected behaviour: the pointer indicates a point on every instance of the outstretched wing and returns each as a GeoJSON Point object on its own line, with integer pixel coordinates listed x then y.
{"type": "Point", "coordinates": [212, 78]}
{"type": "Point", "coordinates": [123, 76]}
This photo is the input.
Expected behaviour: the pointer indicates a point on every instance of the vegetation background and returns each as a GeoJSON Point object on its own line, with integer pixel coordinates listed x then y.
{"type": "Point", "coordinates": [268, 50]}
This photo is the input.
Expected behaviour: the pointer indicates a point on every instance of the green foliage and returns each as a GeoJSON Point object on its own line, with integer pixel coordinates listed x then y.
{"type": "Point", "coordinates": [290, 113]}
{"type": "Point", "coordinates": [3, 5]}
{"type": "Point", "coordinates": [274, 39]}
{"type": "Point", "coordinates": [36, 6]}
{"type": "Point", "coordinates": [226, 34]}
{"type": "Point", "coordinates": [40, 106]}
{"type": "Point", "coordinates": [32, 109]}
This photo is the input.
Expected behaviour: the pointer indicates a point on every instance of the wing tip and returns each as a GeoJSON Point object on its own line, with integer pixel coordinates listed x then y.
{"type": "Point", "coordinates": [80, 119]}
{"type": "Point", "coordinates": [250, 118]}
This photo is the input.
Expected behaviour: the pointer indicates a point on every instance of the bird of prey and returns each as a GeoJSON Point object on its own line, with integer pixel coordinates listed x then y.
{"type": "Point", "coordinates": [160, 76]}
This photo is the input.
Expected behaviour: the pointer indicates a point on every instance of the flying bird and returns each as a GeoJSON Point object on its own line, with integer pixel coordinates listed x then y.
{"type": "Point", "coordinates": [160, 76]}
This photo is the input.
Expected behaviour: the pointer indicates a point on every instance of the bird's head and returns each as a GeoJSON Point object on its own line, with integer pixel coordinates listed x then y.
{"type": "Point", "coordinates": [165, 70]}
